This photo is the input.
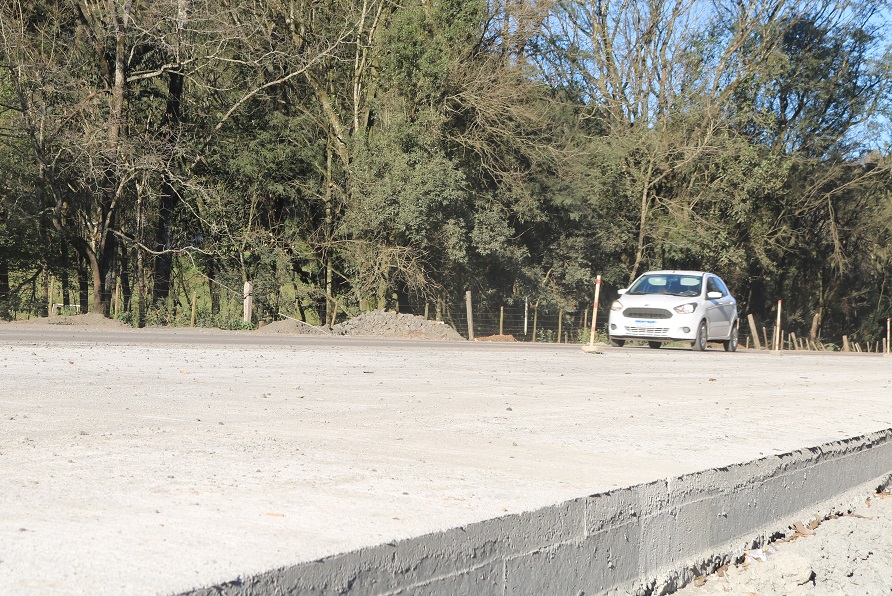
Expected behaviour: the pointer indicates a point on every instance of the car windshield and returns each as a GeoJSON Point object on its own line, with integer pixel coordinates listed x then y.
{"type": "Point", "coordinates": [670, 284]}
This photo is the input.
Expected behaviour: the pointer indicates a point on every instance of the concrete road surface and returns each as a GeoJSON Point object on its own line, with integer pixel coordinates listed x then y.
{"type": "Point", "coordinates": [161, 462]}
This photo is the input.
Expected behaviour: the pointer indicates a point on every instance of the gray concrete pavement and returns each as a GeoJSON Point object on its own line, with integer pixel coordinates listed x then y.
{"type": "Point", "coordinates": [157, 466]}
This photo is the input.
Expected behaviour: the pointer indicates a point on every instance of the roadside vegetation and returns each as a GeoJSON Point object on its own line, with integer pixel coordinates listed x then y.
{"type": "Point", "coordinates": [351, 155]}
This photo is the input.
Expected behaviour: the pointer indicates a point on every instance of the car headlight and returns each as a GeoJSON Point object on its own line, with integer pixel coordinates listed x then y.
{"type": "Point", "coordinates": [686, 309]}
{"type": "Point", "coordinates": [617, 305]}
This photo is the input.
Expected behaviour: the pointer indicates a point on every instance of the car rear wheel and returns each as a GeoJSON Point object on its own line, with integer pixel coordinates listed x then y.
{"type": "Point", "coordinates": [617, 343]}
{"type": "Point", "coordinates": [730, 344]}
{"type": "Point", "coordinates": [655, 345]}
{"type": "Point", "coordinates": [700, 341]}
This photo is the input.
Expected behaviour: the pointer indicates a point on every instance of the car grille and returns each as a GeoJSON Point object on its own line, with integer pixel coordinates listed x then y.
{"type": "Point", "coordinates": [648, 331]}
{"type": "Point", "coordinates": [647, 313]}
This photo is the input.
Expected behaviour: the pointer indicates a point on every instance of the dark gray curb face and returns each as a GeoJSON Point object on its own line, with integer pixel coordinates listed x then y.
{"type": "Point", "coordinates": [646, 539]}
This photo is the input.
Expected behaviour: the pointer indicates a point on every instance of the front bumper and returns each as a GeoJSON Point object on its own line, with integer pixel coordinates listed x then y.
{"type": "Point", "coordinates": [675, 328]}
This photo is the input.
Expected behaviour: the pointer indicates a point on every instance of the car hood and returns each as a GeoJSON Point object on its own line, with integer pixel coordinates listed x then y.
{"type": "Point", "coordinates": [656, 300]}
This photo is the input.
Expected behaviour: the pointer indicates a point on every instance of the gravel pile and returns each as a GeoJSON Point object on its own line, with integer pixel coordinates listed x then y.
{"type": "Point", "coordinates": [379, 323]}
{"type": "Point", "coordinates": [293, 327]}
{"type": "Point", "coordinates": [847, 555]}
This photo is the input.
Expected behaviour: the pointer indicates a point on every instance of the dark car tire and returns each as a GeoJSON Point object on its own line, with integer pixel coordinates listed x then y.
{"type": "Point", "coordinates": [730, 344]}
{"type": "Point", "coordinates": [617, 343]}
{"type": "Point", "coordinates": [700, 341]}
{"type": "Point", "coordinates": [655, 345]}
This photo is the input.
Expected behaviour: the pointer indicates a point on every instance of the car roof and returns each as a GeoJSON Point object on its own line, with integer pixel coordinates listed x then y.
{"type": "Point", "coordinates": [676, 271]}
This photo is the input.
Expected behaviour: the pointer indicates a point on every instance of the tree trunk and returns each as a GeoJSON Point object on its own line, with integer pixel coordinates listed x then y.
{"type": "Point", "coordinates": [168, 198]}
{"type": "Point", "coordinates": [63, 275]}
{"type": "Point", "coordinates": [5, 294]}
{"type": "Point", "coordinates": [104, 286]}
{"type": "Point", "coordinates": [108, 254]}
{"type": "Point", "coordinates": [212, 287]}
{"type": "Point", "coordinates": [83, 285]}
{"type": "Point", "coordinates": [124, 273]}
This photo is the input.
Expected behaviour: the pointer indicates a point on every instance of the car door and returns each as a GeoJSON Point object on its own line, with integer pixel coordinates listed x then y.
{"type": "Point", "coordinates": [728, 303]}
{"type": "Point", "coordinates": [716, 313]}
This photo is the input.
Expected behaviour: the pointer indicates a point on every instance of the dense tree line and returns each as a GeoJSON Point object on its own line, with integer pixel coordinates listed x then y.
{"type": "Point", "coordinates": [353, 154]}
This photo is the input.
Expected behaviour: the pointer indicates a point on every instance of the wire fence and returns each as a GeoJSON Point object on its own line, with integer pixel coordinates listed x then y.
{"type": "Point", "coordinates": [521, 318]}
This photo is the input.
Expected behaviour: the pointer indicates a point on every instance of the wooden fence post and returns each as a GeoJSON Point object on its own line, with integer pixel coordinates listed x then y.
{"type": "Point", "coordinates": [50, 292]}
{"type": "Point", "coordinates": [754, 332]}
{"type": "Point", "coordinates": [194, 302]}
{"type": "Point", "coordinates": [777, 330]}
{"type": "Point", "coordinates": [560, 324]}
{"type": "Point", "coordinates": [535, 319]}
{"type": "Point", "coordinates": [470, 315]}
{"type": "Point", "coordinates": [248, 302]}
{"type": "Point", "coordinates": [845, 344]}
{"type": "Point", "coordinates": [501, 320]}
{"type": "Point", "coordinates": [888, 336]}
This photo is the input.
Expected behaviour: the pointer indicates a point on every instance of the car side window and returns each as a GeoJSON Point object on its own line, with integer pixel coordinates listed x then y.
{"type": "Point", "coordinates": [712, 285]}
{"type": "Point", "coordinates": [722, 287]}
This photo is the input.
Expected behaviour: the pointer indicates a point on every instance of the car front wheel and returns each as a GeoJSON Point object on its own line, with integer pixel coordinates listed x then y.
{"type": "Point", "coordinates": [617, 343]}
{"type": "Point", "coordinates": [730, 344]}
{"type": "Point", "coordinates": [655, 345]}
{"type": "Point", "coordinates": [700, 341]}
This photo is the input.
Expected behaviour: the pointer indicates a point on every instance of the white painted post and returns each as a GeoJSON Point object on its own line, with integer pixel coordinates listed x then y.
{"type": "Point", "coordinates": [777, 329]}
{"type": "Point", "coordinates": [470, 316]}
{"type": "Point", "coordinates": [888, 336]}
{"type": "Point", "coordinates": [591, 339]}
{"type": "Point", "coordinates": [248, 302]}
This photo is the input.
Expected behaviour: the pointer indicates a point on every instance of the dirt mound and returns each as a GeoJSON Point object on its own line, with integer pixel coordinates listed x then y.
{"type": "Point", "coordinates": [379, 323]}
{"type": "Point", "coordinates": [293, 327]}
{"type": "Point", "coordinates": [501, 338]}
{"type": "Point", "coordinates": [87, 320]}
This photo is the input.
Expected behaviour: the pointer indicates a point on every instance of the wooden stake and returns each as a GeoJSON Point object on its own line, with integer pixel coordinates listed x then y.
{"type": "Point", "coordinates": [560, 324]}
{"type": "Point", "coordinates": [470, 315]}
{"type": "Point", "coordinates": [117, 295]}
{"type": "Point", "coordinates": [535, 319]}
{"type": "Point", "coordinates": [754, 332]}
{"type": "Point", "coordinates": [591, 339]}
{"type": "Point", "coordinates": [50, 292]}
{"type": "Point", "coordinates": [777, 329]}
{"type": "Point", "coordinates": [194, 303]}
{"type": "Point", "coordinates": [845, 344]}
{"type": "Point", "coordinates": [247, 302]}
{"type": "Point", "coordinates": [888, 334]}
{"type": "Point", "coordinates": [793, 340]}
{"type": "Point", "coordinates": [501, 320]}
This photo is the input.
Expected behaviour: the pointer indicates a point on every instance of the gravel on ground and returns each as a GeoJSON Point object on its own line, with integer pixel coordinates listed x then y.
{"type": "Point", "coordinates": [847, 554]}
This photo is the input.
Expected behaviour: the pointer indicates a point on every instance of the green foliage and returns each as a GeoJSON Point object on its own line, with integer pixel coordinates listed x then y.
{"type": "Point", "coordinates": [431, 147]}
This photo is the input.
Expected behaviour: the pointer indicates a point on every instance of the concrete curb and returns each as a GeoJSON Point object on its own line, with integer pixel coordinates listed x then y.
{"type": "Point", "coordinates": [647, 539]}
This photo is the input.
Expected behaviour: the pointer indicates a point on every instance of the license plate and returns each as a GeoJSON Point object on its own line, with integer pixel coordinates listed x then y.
{"type": "Point", "coordinates": [644, 322]}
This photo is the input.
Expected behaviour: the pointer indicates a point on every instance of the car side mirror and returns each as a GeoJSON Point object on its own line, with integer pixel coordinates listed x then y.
{"type": "Point", "coordinates": [623, 291]}
{"type": "Point", "coordinates": [713, 295]}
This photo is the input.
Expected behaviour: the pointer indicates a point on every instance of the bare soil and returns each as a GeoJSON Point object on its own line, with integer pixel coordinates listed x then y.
{"type": "Point", "coordinates": [371, 324]}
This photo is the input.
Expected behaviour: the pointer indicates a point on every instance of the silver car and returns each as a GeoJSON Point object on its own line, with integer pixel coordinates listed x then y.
{"type": "Point", "coordinates": [666, 306]}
